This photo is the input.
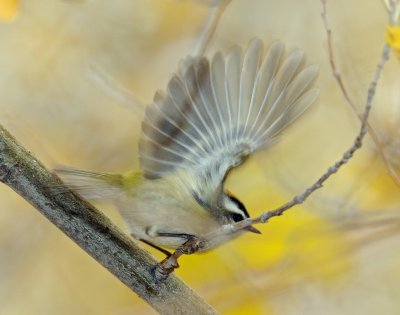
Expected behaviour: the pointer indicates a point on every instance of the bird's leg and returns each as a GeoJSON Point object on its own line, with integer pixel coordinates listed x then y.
{"type": "Point", "coordinates": [164, 251]}
{"type": "Point", "coordinates": [170, 263]}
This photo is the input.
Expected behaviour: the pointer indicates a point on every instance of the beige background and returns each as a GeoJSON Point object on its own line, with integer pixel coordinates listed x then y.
{"type": "Point", "coordinates": [306, 262]}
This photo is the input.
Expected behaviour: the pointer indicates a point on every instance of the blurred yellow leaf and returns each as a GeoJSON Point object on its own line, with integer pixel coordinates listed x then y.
{"type": "Point", "coordinates": [393, 38]}
{"type": "Point", "coordinates": [8, 9]}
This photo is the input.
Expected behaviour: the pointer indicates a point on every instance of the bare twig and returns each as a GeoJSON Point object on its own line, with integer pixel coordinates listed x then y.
{"type": "Point", "coordinates": [193, 245]}
{"type": "Point", "coordinates": [94, 232]}
{"type": "Point", "coordinates": [337, 75]}
{"type": "Point", "coordinates": [210, 25]}
{"type": "Point", "coordinates": [348, 154]}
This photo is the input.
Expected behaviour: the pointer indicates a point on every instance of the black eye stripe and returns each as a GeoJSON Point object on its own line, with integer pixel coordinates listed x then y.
{"type": "Point", "coordinates": [236, 216]}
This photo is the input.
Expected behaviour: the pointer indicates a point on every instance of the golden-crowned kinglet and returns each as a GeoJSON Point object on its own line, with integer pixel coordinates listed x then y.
{"type": "Point", "coordinates": [214, 114]}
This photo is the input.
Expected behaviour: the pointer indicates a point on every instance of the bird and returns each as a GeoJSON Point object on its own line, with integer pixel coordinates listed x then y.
{"type": "Point", "coordinates": [213, 115]}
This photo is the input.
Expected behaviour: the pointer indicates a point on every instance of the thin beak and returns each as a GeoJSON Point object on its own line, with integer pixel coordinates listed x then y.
{"type": "Point", "coordinates": [252, 229]}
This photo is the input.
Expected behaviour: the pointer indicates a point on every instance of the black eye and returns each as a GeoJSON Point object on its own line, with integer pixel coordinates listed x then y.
{"type": "Point", "coordinates": [236, 216]}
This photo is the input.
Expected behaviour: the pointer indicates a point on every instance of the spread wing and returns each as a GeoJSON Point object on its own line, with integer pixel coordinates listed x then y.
{"type": "Point", "coordinates": [215, 113]}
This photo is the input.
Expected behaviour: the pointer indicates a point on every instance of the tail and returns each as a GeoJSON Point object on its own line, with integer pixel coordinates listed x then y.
{"type": "Point", "coordinates": [92, 185]}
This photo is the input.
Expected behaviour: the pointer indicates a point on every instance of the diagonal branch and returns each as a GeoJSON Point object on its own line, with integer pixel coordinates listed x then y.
{"type": "Point", "coordinates": [94, 232]}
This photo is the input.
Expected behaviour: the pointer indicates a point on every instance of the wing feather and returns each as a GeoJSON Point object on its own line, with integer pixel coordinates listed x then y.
{"type": "Point", "coordinates": [249, 79]}
{"type": "Point", "coordinates": [265, 82]}
{"type": "Point", "coordinates": [218, 91]}
{"type": "Point", "coordinates": [233, 69]}
{"type": "Point", "coordinates": [215, 113]}
{"type": "Point", "coordinates": [181, 102]}
{"type": "Point", "coordinates": [207, 100]}
{"type": "Point", "coordinates": [199, 110]}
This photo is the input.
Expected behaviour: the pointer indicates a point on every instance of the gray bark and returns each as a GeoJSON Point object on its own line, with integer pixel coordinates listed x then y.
{"type": "Point", "coordinates": [94, 232]}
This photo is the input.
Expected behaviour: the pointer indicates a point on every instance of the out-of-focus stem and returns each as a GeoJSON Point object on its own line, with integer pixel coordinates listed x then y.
{"type": "Point", "coordinates": [210, 25]}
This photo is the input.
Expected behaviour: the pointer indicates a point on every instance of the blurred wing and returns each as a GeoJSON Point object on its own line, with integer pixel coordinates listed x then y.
{"type": "Point", "coordinates": [214, 114]}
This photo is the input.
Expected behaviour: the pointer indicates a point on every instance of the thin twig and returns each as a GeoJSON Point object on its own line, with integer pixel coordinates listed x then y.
{"type": "Point", "coordinates": [210, 25]}
{"type": "Point", "coordinates": [348, 154]}
{"type": "Point", "coordinates": [337, 75]}
{"type": "Point", "coordinates": [94, 232]}
{"type": "Point", "coordinates": [171, 261]}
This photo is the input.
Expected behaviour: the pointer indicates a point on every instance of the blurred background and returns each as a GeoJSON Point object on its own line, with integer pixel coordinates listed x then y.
{"type": "Point", "coordinates": [72, 73]}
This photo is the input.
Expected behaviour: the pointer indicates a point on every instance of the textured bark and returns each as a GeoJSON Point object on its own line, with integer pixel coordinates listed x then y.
{"type": "Point", "coordinates": [94, 232]}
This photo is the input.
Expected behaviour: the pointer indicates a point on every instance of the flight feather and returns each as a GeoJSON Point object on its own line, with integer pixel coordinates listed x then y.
{"type": "Point", "coordinates": [216, 112]}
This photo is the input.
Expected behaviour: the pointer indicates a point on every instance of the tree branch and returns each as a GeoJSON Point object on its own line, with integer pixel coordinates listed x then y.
{"type": "Point", "coordinates": [94, 232]}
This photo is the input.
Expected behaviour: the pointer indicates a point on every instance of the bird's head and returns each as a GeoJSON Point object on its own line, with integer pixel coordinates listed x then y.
{"type": "Point", "coordinates": [235, 211]}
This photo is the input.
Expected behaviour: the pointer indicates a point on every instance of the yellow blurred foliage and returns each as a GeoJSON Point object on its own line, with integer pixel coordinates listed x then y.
{"type": "Point", "coordinates": [393, 38]}
{"type": "Point", "coordinates": [8, 9]}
